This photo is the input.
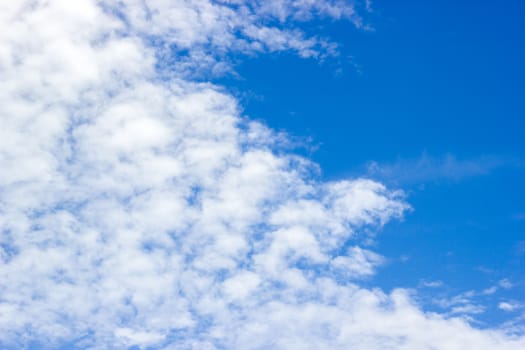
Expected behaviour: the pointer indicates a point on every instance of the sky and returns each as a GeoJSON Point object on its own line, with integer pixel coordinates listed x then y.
{"type": "Point", "coordinates": [435, 108]}
{"type": "Point", "coordinates": [249, 174]}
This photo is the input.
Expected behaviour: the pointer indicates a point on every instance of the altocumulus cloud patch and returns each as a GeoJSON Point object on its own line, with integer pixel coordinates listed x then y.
{"type": "Point", "coordinates": [138, 209]}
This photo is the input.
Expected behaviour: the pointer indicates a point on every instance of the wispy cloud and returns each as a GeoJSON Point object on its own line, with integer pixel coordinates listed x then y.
{"type": "Point", "coordinates": [429, 168]}
{"type": "Point", "coordinates": [431, 284]}
{"type": "Point", "coordinates": [471, 302]}
{"type": "Point", "coordinates": [505, 283]}
{"type": "Point", "coordinates": [519, 216]}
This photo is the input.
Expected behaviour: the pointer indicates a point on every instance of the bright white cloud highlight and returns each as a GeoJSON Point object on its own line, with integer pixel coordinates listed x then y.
{"type": "Point", "coordinates": [509, 306]}
{"type": "Point", "coordinates": [137, 207]}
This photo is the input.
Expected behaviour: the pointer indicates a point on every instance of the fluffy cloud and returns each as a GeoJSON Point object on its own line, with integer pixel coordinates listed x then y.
{"type": "Point", "coordinates": [137, 207]}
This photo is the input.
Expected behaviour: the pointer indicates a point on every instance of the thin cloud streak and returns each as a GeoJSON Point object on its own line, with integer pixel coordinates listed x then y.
{"type": "Point", "coordinates": [429, 168]}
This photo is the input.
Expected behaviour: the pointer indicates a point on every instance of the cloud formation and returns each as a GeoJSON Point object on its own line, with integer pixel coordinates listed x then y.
{"type": "Point", "coordinates": [138, 207]}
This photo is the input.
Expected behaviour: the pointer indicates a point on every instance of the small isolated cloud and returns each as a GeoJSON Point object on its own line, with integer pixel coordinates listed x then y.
{"type": "Point", "coordinates": [431, 284]}
{"type": "Point", "coordinates": [505, 283]}
{"type": "Point", "coordinates": [404, 258]}
{"type": "Point", "coordinates": [467, 309]}
{"type": "Point", "coordinates": [490, 290]}
{"type": "Point", "coordinates": [463, 298]}
{"type": "Point", "coordinates": [509, 306]}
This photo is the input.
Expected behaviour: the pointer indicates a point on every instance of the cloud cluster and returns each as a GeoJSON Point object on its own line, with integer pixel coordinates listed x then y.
{"type": "Point", "coordinates": [201, 34]}
{"type": "Point", "coordinates": [138, 208]}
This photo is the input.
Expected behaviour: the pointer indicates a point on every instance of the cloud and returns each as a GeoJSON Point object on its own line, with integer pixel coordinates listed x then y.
{"type": "Point", "coordinates": [469, 302]}
{"type": "Point", "coordinates": [490, 290]}
{"type": "Point", "coordinates": [519, 216]}
{"type": "Point", "coordinates": [431, 284]}
{"type": "Point", "coordinates": [138, 207]}
{"type": "Point", "coordinates": [509, 306]}
{"type": "Point", "coordinates": [431, 169]}
{"type": "Point", "coordinates": [505, 283]}
{"type": "Point", "coordinates": [358, 262]}
{"type": "Point", "coordinates": [201, 34]}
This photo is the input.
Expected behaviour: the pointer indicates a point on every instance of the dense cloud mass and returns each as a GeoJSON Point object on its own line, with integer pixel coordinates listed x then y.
{"type": "Point", "coordinates": [139, 208]}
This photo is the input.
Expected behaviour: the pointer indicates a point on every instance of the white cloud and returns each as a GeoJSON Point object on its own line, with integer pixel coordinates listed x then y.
{"type": "Point", "coordinates": [467, 309]}
{"type": "Point", "coordinates": [509, 306]}
{"type": "Point", "coordinates": [358, 262]}
{"type": "Point", "coordinates": [137, 207]}
{"type": "Point", "coordinates": [490, 290]}
{"type": "Point", "coordinates": [135, 337]}
{"type": "Point", "coordinates": [505, 283]}
{"type": "Point", "coordinates": [432, 284]}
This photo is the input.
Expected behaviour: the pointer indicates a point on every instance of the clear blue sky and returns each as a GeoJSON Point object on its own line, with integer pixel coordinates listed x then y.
{"type": "Point", "coordinates": [434, 95]}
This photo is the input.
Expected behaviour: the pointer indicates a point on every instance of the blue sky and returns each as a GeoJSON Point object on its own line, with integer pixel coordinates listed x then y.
{"type": "Point", "coordinates": [436, 100]}
{"type": "Point", "coordinates": [250, 174]}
